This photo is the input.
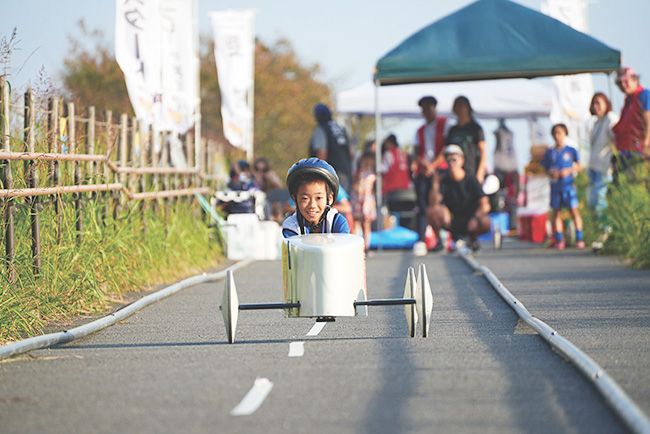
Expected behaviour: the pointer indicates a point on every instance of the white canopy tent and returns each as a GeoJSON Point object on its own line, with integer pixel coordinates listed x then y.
{"type": "Point", "coordinates": [494, 99]}
{"type": "Point", "coordinates": [517, 98]}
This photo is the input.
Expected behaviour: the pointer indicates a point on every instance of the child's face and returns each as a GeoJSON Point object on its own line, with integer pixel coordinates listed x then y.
{"type": "Point", "coordinates": [312, 199]}
{"type": "Point", "coordinates": [559, 135]}
{"type": "Point", "coordinates": [367, 163]}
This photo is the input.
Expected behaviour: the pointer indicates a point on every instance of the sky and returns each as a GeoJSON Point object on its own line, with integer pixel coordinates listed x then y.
{"type": "Point", "coordinates": [346, 38]}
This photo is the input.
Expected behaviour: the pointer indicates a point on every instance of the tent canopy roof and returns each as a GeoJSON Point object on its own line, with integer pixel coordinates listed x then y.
{"type": "Point", "coordinates": [492, 39]}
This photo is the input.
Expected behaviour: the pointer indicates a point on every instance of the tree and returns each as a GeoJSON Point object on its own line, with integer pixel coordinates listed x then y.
{"type": "Point", "coordinates": [285, 94]}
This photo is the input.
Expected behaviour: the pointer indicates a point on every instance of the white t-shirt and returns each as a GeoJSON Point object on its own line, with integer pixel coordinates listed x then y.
{"type": "Point", "coordinates": [430, 138]}
{"type": "Point", "coordinates": [602, 142]}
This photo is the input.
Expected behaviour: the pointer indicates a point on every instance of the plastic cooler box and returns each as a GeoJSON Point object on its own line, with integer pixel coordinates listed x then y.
{"type": "Point", "coordinates": [533, 227]}
{"type": "Point", "coordinates": [248, 237]}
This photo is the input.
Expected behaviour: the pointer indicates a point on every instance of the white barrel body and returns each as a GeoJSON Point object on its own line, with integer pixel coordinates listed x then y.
{"type": "Point", "coordinates": [325, 273]}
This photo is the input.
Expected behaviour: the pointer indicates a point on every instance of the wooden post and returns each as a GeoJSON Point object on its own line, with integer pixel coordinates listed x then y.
{"type": "Point", "coordinates": [30, 122]}
{"type": "Point", "coordinates": [155, 179]}
{"type": "Point", "coordinates": [55, 175]}
{"type": "Point", "coordinates": [189, 148]}
{"type": "Point", "coordinates": [143, 177]}
{"type": "Point", "coordinates": [90, 143]}
{"type": "Point", "coordinates": [165, 163]}
{"type": "Point", "coordinates": [72, 148]}
{"type": "Point", "coordinates": [122, 156]}
{"type": "Point", "coordinates": [133, 146]}
{"type": "Point", "coordinates": [189, 144]}
{"type": "Point", "coordinates": [110, 155]}
{"type": "Point", "coordinates": [8, 181]}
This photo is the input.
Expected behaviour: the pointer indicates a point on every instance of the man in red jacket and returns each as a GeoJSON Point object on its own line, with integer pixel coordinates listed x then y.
{"type": "Point", "coordinates": [427, 159]}
{"type": "Point", "coordinates": [632, 132]}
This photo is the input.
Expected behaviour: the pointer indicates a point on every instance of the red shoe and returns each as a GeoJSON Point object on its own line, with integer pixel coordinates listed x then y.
{"type": "Point", "coordinates": [580, 244]}
{"type": "Point", "coordinates": [560, 245]}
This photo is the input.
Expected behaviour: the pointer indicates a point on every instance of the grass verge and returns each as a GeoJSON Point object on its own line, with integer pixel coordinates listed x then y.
{"type": "Point", "coordinates": [83, 276]}
{"type": "Point", "coordinates": [627, 215]}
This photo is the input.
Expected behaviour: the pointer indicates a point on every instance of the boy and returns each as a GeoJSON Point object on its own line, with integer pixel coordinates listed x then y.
{"type": "Point", "coordinates": [560, 163]}
{"type": "Point", "coordinates": [313, 184]}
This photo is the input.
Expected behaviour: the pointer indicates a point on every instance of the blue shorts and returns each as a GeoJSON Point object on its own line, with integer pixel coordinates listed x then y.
{"type": "Point", "coordinates": [564, 198]}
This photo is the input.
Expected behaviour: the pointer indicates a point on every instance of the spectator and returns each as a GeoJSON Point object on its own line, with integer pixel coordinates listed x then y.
{"type": "Point", "coordinates": [560, 163]}
{"type": "Point", "coordinates": [241, 177]}
{"type": "Point", "coordinates": [602, 146]}
{"type": "Point", "coordinates": [632, 132]}
{"type": "Point", "coordinates": [427, 158]}
{"type": "Point", "coordinates": [395, 167]}
{"type": "Point", "coordinates": [344, 206]}
{"type": "Point", "coordinates": [241, 199]}
{"type": "Point", "coordinates": [313, 184]}
{"type": "Point", "coordinates": [365, 203]}
{"type": "Point", "coordinates": [330, 143]}
{"type": "Point", "coordinates": [460, 195]}
{"type": "Point", "coordinates": [265, 178]}
{"type": "Point", "coordinates": [469, 135]}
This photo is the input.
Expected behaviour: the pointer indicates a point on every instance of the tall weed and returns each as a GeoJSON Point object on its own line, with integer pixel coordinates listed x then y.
{"type": "Point", "coordinates": [628, 216]}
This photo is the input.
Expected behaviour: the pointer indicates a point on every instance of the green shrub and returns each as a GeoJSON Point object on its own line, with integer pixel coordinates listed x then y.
{"type": "Point", "coordinates": [628, 214]}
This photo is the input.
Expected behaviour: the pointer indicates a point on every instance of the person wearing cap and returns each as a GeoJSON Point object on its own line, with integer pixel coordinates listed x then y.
{"type": "Point", "coordinates": [313, 184]}
{"type": "Point", "coordinates": [427, 160]}
{"type": "Point", "coordinates": [329, 142]}
{"type": "Point", "coordinates": [457, 201]}
{"type": "Point", "coordinates": [632, 132]}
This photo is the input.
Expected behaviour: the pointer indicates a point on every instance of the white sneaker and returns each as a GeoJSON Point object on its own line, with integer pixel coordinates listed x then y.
{"type": "Point", "coordinates": [420, 248]}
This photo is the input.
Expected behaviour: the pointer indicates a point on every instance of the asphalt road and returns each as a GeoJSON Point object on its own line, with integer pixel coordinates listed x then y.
{"type": "Point", "coordinates": [169, 368]}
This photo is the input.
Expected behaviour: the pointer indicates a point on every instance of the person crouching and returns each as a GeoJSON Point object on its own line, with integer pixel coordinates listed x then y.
{"type": "Point", "coordinates": [313, 184]}
{"type": "Point", "coordinates": [460, 195]}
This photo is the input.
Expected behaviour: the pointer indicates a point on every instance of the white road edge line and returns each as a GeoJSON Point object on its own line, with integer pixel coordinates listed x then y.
{"type": "Point", "coordinates": [254, 398]}
{"type": "Point", "coordinates": [316, 328]}
{"type": "Point", "coordinates": [296, 349]}
{"type": "Point", "coordinates": [51, 339]}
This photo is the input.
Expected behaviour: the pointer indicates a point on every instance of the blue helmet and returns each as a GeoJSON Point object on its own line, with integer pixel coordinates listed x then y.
{"type": "Point", "coordinates": [312, 166]}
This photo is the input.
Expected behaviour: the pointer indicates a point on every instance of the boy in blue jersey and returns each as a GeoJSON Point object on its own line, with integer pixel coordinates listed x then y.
{"type": "Point", "coordinates": [313, 184]}
{"type": "Point", "coordinates": [560, 163]}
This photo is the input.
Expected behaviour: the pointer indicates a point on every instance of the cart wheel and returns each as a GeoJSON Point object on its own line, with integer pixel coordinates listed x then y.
{"type": "Point", "coordinates": [230, 306]}
{"type": "Point", "coordinates": [424, 300]}
{"type": "Point", "coordinates": [409, 309]}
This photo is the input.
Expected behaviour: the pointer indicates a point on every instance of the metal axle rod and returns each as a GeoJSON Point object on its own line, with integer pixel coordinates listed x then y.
{"type": "Point", "coordinates": [385, 302]}
{"type": "Point", "coordinates": [260, 306]}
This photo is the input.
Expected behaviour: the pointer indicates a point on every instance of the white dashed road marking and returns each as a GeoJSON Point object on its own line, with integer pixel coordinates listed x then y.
{"type": "Point", "coordinates": [316, 329]}
{"type": "Point", "coordinates": [254, 398]}
{"type": "Point", "coordinates": [296, 349]}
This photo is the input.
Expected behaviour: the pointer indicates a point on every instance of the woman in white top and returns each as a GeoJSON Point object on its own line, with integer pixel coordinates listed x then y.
{"type": "Point", "coordinates": [602, 145]}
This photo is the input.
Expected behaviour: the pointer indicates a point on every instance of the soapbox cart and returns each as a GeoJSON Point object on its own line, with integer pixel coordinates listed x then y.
{"type": "Point", "coordinates": [323, 277]}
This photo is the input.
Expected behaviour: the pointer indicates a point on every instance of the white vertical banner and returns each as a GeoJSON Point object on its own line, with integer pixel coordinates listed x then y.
{"type": "Point", "coordinates": [137, 51]}
{"type": "Point", "coordinates": [572, 93]}
{"type": "Point", "coordinates": [179, 74]}
{"type": "Point", "coordinates": [234, 50]}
